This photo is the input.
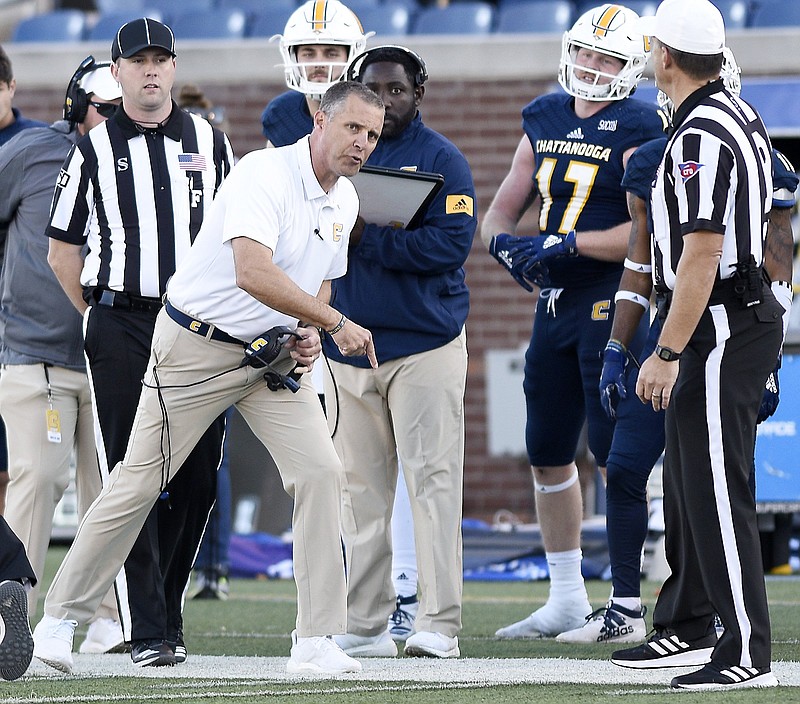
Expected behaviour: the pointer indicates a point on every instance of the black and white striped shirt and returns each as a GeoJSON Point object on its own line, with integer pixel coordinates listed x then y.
{"type": "Point", "coordinates": [137, 198]}
{"type": "Point", "coordinates": [716, 175]}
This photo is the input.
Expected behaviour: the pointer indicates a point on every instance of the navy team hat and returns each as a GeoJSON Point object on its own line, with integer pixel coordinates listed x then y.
{"type": "Point", "coordinates": [140, 34]}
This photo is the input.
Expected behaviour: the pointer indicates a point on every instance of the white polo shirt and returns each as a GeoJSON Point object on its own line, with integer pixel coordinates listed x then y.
{"type": "Point", "coordinates": [271, 196]}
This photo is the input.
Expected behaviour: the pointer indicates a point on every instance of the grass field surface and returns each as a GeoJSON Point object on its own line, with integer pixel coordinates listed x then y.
{"type": "Point", "coordinates": [238, 651]}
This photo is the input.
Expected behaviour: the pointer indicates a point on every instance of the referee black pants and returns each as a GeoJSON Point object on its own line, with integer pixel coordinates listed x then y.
{"type": "Point", "coordinates": [151, 586]}
{"type": "Point", "coordinates": [712, 541]}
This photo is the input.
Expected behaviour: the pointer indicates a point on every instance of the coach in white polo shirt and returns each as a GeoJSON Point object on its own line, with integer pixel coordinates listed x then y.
{"type": "Point", "coordinates": [277, 233]}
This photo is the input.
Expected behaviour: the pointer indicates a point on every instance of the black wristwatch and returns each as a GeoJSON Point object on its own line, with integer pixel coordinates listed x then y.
{"type": "Point", "coordinates": [667, 354]}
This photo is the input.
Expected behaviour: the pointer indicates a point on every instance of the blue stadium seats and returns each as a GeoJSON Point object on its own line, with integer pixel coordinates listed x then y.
{"type": "Point", "coordinates": [469, 17]}
{"type": "Point", "coordinates": [173, 8]}
{"type": "Point", "coordinates": [106, 6]}
{"type": "Point", "coordinates": [734, 12]}
{"type": "Point", "coordinates": [267, 23]}
{"type": "Point", "coordinates": [387, 20]}
{"type": "Point", "coordinates": [540, 16]}
{"type": "Point", "coordinates": [55, 26]}
{"type": "Point", "coordinates": [776, 14]}
{"type": "Point", "coordinates": [643, 8]}
{"type": "Point", "coordinates": [225, 23]}
{"type": "Point", "coordinates": [109, 22]}
{"type": "Point", "coordinates": [254, 7]}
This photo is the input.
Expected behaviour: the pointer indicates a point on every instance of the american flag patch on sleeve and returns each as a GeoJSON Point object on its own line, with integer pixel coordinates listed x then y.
{"type": "Point", "coordinates": [192, 162]}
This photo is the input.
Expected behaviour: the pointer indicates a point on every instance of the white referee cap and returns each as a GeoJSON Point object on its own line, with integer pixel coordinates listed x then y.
{"type": "Point", "coordinates": [693, 26]}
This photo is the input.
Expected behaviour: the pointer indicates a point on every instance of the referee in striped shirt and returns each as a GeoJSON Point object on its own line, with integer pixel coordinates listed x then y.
{"type": "Point", "coordinates": [128, 204]}
{"type": "Point", "coordinates": [720, 339]}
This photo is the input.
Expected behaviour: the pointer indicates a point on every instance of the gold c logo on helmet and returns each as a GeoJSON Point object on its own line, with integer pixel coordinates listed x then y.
{"type": "Point", "coordinates": [603, 25]}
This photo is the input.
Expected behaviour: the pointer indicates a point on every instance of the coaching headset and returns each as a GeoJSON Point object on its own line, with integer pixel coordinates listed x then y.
{"type": "Point", "coordinates": [421, 75]}
{"type": "Point", "coordinates": [76, 102]}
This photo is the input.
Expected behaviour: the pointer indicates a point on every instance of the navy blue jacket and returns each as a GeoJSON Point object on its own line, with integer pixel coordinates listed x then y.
{"type": "Point", "coordinates": [407, 286]}
{"type": "Point", "coordinates": [20, 123]}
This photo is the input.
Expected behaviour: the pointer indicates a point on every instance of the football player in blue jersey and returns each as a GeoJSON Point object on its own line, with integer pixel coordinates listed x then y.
{"type": "Point", "coordinates": [320, 39]}
{"type": "Point", "coordinates": [569, 166]}
{"type": "Point", "coordinates": [639, 433]}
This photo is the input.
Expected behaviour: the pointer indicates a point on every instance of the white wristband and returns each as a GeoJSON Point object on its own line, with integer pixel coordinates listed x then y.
{"type": "Point", "coordinates": [635, 266]}
{"type": "Point", "coordinates": [782, 290]}
{"type": "Point", "coordinates": [631, 296]}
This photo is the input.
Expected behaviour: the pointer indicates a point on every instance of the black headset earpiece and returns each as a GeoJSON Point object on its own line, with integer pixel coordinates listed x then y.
{"type": "Point", "coordinates": [421, 75]}
{"type": "Point", "coordinates": [76, 102]}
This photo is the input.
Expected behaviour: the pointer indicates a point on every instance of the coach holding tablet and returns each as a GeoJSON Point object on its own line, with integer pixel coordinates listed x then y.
{"type": "Point", "coordinates": [407, 286]}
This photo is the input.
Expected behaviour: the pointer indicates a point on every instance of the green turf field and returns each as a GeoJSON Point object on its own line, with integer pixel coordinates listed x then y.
{"type": "Point", "coordinates": [238, 649]}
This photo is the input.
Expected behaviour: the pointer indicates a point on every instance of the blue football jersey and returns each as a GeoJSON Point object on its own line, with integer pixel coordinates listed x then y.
{"type": "Point", "coordinates": [286, 119]}
{"type": "Point", "coordinates": [579, 169]}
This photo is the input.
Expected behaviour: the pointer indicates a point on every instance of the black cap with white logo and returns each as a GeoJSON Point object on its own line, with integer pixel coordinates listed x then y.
{"type": "Point", "coordinates": [140, 34]}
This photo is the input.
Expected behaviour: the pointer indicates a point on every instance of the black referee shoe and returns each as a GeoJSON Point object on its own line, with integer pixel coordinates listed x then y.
{"type": "Point", "coordinates": [152, 653]}
{"type": "Point", "coordinates": [665, 649]}
{"type": "Point", "coordinates": [713, 676]}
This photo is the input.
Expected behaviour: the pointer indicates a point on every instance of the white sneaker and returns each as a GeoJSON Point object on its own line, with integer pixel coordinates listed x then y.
{"type": "Point", "coordinates": [432, 645]}
{"type": "Point", "coordinates": [103, 636]}
{"type": "Point", "coordinates": [401, 622]}
{"type": "Point", "coordinates": [319, 655]}
{"type": "Point", "coordinates": [611, 624]}
{"type": "Point", "coordinates": [548, 621]}
{"type": "Point", "coordinates": [380, 646]}
{"type": "Point", "coordinates": [52, 642]}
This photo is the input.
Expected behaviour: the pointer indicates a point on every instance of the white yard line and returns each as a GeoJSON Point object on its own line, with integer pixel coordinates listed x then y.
{"type": "Point", "coordinates": [463, 671]}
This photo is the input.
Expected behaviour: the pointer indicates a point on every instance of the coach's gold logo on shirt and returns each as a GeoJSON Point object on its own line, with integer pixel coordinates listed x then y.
{"type": "Point", "coordinates": [600, 310]}
{"type": "Point", "coordinates": [194, 326]}
{"type": "Point", "coordinates": [458, 204]}
{"type": "Point", "coordinates": [337, 231]}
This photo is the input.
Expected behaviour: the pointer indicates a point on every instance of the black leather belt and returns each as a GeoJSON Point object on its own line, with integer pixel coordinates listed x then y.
{"type": "Point", "coordinates": [198, 326]}
{"type": "Point", "coordinates": [124, 301]}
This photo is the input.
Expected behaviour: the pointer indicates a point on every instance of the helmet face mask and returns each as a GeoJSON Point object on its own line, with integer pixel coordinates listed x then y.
{"type": "Point", "coordinates": [319, 22]}
{"type": "Point", "coordinates": [610, 30]}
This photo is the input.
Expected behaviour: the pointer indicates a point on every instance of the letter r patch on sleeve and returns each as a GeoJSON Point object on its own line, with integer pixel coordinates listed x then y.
{"type": "Point", "coordinates": [458, 204]}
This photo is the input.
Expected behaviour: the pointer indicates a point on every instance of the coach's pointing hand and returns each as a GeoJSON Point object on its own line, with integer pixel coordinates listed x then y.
{"type": "Point", "coordinates": [353, 340]}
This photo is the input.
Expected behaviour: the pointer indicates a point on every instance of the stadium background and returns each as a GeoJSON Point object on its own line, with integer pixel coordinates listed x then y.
{"type": "Point", "coordinates": [477, 87]}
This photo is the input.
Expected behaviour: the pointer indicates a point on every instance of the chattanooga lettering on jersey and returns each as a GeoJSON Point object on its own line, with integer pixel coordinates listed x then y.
{"type": "Point", "coordinates": [561, 146]}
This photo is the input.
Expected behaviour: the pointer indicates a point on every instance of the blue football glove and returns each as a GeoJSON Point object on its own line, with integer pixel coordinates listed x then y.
{"type": "Point", "coordinates": [612, 377]}
{"type": "Point", "coordinates": [543, 248]}
{"type": "Point", "coordinates": [538, 274]}
{"type": "Point", "coordinates": [510, 252]}
{"type": "Point", "coordinates": [772, 394]}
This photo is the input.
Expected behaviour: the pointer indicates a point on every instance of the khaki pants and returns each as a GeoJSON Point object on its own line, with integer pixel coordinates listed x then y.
{"type": "Point", "coordinates": [38, 467]}
{"type": "Point", "coordinates": [168, 423]}
{"type": "Point", "coordinates": [414, 404]}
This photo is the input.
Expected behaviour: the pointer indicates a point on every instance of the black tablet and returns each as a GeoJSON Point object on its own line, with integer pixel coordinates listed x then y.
{"type": "Point", "coordinates": [395, 197]}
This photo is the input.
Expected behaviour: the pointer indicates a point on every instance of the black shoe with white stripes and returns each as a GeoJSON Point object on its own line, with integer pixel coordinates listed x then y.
{"type": "Point", "coordinates": [665, 649]}
{"type": "Point", "coordinates": [713, 676]}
